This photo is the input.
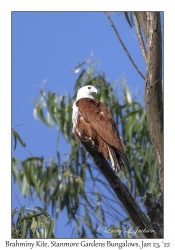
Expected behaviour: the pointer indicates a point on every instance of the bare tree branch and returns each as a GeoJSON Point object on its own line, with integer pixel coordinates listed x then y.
{"type": "Point", "coordinates": [140, 38]}
{"type": "Point", "coordinates": [124, 47]}
{"type": "Point", "coordinates": [142, 18]}
{"type": "Point", "coordinates": [122, 192]}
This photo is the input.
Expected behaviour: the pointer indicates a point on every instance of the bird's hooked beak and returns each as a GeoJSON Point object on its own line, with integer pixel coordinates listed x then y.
{"type": "Point", "coordinates": [94, 91]}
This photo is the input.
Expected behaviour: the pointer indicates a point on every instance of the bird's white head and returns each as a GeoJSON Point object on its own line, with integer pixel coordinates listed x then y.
{"type": "Point", "coordinates": [86, 91]}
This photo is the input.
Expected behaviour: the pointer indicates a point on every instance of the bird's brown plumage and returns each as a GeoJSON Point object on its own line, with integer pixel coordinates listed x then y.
{"type": "Point", "coordinates": [95, 121]}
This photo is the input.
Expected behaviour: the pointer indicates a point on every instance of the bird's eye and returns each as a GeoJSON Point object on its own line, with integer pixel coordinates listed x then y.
{"type": "Point", "coordinates": [89, 87]}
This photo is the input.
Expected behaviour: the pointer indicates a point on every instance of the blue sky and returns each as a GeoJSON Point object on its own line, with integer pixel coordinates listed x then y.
{"type": "Point", "coordinates": [47, 46]}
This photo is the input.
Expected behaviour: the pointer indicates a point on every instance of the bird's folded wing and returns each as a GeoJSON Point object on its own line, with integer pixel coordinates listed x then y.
{"type": "Point", "coordinates": [97, 114]}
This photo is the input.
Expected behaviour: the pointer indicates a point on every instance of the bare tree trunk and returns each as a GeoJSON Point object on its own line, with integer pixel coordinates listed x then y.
{"type": "Point", "coordinates": [150, 23]}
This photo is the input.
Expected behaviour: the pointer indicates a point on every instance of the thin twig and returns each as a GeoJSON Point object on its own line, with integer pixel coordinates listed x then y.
{"type": "Point", "coordinates": [17, 197]}
{"type": "Point", "coordinates": [140, 38]}
{"type": "Point", "coordinates": [124, 47]}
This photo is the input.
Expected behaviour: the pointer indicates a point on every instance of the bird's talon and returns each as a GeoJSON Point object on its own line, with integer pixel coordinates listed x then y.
{"type": "Point", "coordinates": [87, 139]}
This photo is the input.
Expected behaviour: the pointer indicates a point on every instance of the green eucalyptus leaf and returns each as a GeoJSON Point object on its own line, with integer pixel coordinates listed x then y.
{"type": "Point", "coordinates": [17, 137]}
{"type": "Point", "coordinates": [23, 229]}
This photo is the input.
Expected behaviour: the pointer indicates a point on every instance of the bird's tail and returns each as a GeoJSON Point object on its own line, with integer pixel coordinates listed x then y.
{"type": "Point", "coordinates": [118, 159]}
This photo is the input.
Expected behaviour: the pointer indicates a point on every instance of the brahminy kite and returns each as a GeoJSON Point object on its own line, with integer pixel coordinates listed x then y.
{"type": "Point", "coordinates": [93, 121]}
